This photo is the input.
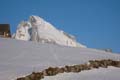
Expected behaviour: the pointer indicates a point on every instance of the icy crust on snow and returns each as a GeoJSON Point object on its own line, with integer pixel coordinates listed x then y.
{"type": "Point", "coordinates": [39, 30]}
{"type": "Point", "coordinates": [18, 58]}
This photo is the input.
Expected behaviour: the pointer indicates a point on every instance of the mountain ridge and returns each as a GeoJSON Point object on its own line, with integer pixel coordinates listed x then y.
{"type": "Point", "coordinates": [38, 30]}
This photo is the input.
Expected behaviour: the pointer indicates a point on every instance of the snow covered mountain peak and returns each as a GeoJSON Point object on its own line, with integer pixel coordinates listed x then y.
{"type": "Point", "coordinates": [38, 21]}
{"type": "Point", "coordinates": [35, 20]}
{"type": "Point", "coordinates": [39, 30]}
{"type": "Point", "coordinates": [22, 32]}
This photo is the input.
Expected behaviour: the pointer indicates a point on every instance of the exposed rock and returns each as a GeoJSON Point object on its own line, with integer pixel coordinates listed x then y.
{"type": "Point", "coordinates": [61, 70]}
{"type": "Point", "coordinates": [116, 63]}
{"type": "Point", "coordinates": [51, 71]}
{"type": "Point", "coordinates": [94, 64]}
{"type": "Point", "coordinates": [75, 68]}
{"type": "Point", "coordinates": [22, 78]}
{"type": "Point", "coordinates": [67, 69]}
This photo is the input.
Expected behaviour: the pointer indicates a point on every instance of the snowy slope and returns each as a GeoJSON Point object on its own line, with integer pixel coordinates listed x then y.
{"type": "Point", "coordinates": [39, 30]}
{"type": "Point", "coordinates": [18, 58]}
{"type": "Point", "coordinates": [111, 73]}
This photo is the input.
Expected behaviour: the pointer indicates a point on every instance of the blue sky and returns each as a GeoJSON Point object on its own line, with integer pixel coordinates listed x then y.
{"type": "Point", "coordinates": [95, 23]}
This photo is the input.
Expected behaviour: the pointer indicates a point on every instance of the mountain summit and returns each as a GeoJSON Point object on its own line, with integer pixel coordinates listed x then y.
{"type": "Point", "coordinates": [38, 30]}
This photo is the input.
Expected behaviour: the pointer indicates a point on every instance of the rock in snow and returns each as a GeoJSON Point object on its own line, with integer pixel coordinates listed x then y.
{"type": "Point", "coordinates": [39, 30]}
{"type": "Point", "coordinates": [20, 58]}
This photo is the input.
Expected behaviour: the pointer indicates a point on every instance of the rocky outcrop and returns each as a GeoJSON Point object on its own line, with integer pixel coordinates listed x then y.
{"type": "Point", "coordinates": [51, 71]}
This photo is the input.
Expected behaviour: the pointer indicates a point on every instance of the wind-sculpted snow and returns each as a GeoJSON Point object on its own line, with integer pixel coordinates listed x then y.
{"type": "Point", "coordinates": [18, 58]}
{"type": "Point", "coordinates": [39, 30]}
{"type": "Point", "coordinates": [22, 32]}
